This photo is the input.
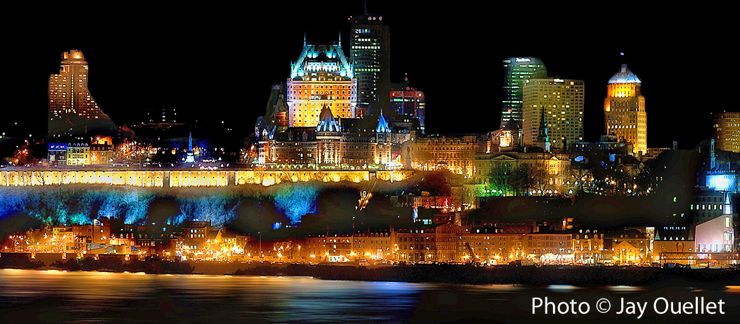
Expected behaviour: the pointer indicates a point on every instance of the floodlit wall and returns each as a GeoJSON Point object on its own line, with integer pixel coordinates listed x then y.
{"type": "Point", "coordinates": [188, 178]}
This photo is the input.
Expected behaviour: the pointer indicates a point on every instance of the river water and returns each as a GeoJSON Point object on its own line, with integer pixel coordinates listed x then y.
{"type": "Point", "coordinates": [29, 296]}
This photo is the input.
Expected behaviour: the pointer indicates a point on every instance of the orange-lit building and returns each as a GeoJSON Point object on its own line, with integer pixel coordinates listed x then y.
{"type": "Point", "coordinates": [624, 110]}
{"type": "Point", "coordinates": [321, 77]}
{"type": "Point", "coordinates": [727, 131]}
{"type": "Point", "coordinates": [454, 153]}
{"type": "Point", "coordinates": [71, 106]}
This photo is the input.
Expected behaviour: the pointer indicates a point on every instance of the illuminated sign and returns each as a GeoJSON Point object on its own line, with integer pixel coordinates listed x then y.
{"type": "Point", "coordinates": [722, 182]}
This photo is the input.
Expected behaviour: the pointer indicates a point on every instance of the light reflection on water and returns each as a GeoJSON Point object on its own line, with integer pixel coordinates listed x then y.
{"type": "Point", "coordinates": [562, 288]}
{"type": "Point", "coordinates": [625, 289]}
{"type": "Point", "coordinates": [58, 296]}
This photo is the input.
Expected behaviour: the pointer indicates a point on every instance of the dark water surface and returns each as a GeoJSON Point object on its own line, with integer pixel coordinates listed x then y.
{"type": "Point", "coordinates": [29, 296]}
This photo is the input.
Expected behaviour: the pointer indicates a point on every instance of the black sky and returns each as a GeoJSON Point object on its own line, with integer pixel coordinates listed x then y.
{"type": "Point", "coordinates": [219, 62]}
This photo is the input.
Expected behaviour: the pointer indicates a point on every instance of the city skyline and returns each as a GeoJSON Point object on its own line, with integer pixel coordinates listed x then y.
{"type": "Point", "coordinates": [165, 67]}
{"type": "Point", "coordinates": [370, 161]}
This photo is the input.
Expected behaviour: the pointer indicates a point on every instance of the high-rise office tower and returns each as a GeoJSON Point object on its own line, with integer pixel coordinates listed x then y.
{"type": "Point", "coordinates": [624, 110]}
{"type": "Point", "coordinates": [321, 77]}
{"type": "Point", "coordinates": [727, 131]}
{"type": "Point", "coordinates": [370, 53]}
{"type": "Point", "coordinates": [561, 101]}
{"type": "Point", "coordinates": [518, 71]}
{"type": "Point", "coordinates": [72, 109]}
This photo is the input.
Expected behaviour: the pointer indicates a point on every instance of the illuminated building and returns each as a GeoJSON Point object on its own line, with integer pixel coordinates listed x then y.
{"type": "Point", "coordinates": [561, 101]}
{"type": "Point", "coordinates": [57, 154]}
{"type": "Point", "coordinates": [415, 245]}
{"type": "Point", "coordinates": [97, 233]}
{"type": "Point", "coordinates": [100, 154]}
{"type": "Point", "coordinates": [277, 110]}
{"type": "Point", "coordinates": [550, 247]}
{"type": "Point", "coordinates": [624, 110]}
{"type": "Point", "coordinates": [727, 131]}
{"type": "Point", "coordinates": [71, 106]}
{"type": "Point", "coordinates": [409, 102]}
{"type": "Point", "coordinates": [195, 234]}
{"type": "Point", "coordinates": [329, 138]}
{"type": "Point", "coordinates": [332, 144]}
{"type": "Point", "coordinates": [455, 154]}
{"type": "Point", "coordinates": [551, 172]}
{"type": "Point", "coordinates": [349, 247]}
{"type": "Point", "coordinates": [587, 246]}
{"type": "Point", "coordinates": [78, 154]}
{"type": "Point", "coordinates": [671, 240]}
{"type": "Point", "coordinates": [717, 234]}
{"type": "Point", "coordinates": [370, 53]}
{"type": "Point", "coordinates": [321, 77]}
{"type": "Point", "coordinates": [518, 71]}
{"type": "Point", "coordinates": [500, 140]}
{"type": "Point", "coordinates": [629, 245]}
{"type": "Point", "coordinates": [494, 248]}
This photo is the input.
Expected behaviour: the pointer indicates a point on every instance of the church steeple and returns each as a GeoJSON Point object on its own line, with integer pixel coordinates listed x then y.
{"type": "Point", "coordinates": [382, 124]}
{"type": "Point", "coordinates": [543, 137]}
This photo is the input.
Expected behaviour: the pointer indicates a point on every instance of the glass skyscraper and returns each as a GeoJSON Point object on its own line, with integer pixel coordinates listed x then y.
{"type": "Point", "coordinates": [370, 53]}
{"type": "Point", "coordinates": [518, 71]}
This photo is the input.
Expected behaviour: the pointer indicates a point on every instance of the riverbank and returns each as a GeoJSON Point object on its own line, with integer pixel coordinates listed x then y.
{"type": "Point", "coordinates": [439, 273]}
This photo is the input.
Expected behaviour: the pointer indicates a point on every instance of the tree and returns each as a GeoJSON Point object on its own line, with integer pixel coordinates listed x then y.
{"type": "Point", "coordinates": [436, 183]}
{"type": "Point", "coordinates": [499, 178]}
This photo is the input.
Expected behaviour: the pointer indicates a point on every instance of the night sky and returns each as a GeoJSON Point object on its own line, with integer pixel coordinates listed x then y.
{"type": "Point", "coordinates": [218, 63]}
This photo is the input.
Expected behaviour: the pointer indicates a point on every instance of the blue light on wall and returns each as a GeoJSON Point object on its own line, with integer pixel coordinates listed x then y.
{"type": "Point", "coordinates": [722, 182]}
{"type": "Point", "coordinates": [295, 201]}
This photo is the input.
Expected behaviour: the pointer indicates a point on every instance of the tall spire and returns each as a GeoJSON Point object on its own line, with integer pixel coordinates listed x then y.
{"type": "Point", "coordinates": [340, 39]}
{"type": "Point", "coordinates": [382, 124]}
{"type": "Point", "coordinates": [304, 39]}
{"type": "Point", "coordinates": [543, 136]}
{"type": "Point", "coordinates": [190, 142]}
{"type": "Point", "coordinates": [190, 155]}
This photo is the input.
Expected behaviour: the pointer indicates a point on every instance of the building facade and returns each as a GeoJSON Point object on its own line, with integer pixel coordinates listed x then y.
{"type": "Point", "coordinates": [624, 110]}
{"type": "Point", "coordinates": [79, 154]}
{"type": "Point", "coordinates": [370, 52]}
{"type": "Point", "coordinates": [518, 71]}
{"type": "Point", "coordinates": [321, 77]}
{"type": "Point", "coordinates": [561, 101]}
{"type": "Point", "coordinates": [409, 102]}
{"type": "Point", "coordinates": [331, 144]}
{"type": "Point", "coordinates": [551, 172]}
{"type": "Point", "coordinates": [727, 131]}
{"type": "Point", "coordinates": [454, 153]}
{"type": "Point", "coordinates": [71, 106]}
